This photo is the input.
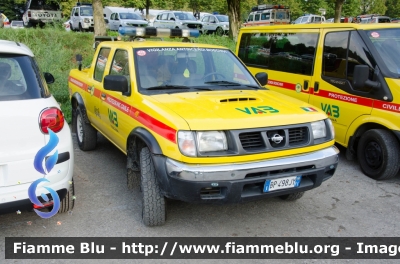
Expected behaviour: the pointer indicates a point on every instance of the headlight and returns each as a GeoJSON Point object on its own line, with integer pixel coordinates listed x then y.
{"type": "Point", "coordinates": [179, 22]}
{"type": "Point", "coordinates": [319, 129]}
{"type": "Point", "coordinates": [225, 26]}
{"type": "Point", "coordinates": [331, 128]}
{"type": "Point", "coordinates": [86, 20]}
{"type": "Point", "coordinates": [211, 141]}
{"type": "Point", "coordinates": [186, 143]}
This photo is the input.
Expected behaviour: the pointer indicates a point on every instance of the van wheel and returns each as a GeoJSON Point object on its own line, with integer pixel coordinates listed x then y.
{"type": "Point", "coordinates": [67, 204]}
{"type": "Point", "coordinates": [85, 133]}
{"type": "Point", "coordinates": [378, 155]}
{"type": "Point", "coordinates": [153, 201]}
{"type": "Point", "coordinates": [292, 196]}
{"type": "Point", "coordinates": [220, 31]}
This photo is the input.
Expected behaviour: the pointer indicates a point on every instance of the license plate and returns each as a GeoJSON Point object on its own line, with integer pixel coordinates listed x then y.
{"type": "Point", "coordinates": [282, 183]}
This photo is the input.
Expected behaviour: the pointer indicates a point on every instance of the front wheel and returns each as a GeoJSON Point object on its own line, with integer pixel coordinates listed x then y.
{"type": "Point", "coordinates": [85, 133]}
{"type": "Point", "coordinates": [153, 201]}
{"type": "Point", "coordinates": [378, 154]}
{"type": "Point", "coordinates": [220, 31]}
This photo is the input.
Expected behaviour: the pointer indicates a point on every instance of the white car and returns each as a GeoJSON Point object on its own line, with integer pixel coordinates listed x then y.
{"type": "Point", "coordinates": [218, 24]}
{"type": "Point", "coordinates": [176, 19]}
{"type": "Point", "coordinates": [36, 149]}
{"type": "Point", "coordinates": [126, 19]}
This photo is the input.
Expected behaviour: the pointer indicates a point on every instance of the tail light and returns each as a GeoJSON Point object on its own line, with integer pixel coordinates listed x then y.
{"type": "Point", "coordinates": [51, 118]}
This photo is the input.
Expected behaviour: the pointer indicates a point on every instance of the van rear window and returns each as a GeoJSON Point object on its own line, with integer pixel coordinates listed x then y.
{"type": "Point", "coordinates": [286, 52]}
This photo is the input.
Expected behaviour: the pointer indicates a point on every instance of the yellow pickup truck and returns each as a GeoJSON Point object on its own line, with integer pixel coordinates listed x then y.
{"type": "Point", "coordinates": [196, 125]}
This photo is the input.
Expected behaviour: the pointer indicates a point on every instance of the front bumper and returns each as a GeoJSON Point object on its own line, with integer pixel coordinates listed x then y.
{"type": "Point", "coordinates": [232, 183]}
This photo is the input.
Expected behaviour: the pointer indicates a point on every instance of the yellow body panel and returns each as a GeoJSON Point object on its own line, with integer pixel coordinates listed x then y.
{"type": "Point", "coordinates": [116, 115]}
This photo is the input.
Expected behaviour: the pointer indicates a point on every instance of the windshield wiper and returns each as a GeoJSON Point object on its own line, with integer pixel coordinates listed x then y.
{"type": "Point", "coordinates": [226, 83]}
{"type": "Point", "coordinates": [167, 87]}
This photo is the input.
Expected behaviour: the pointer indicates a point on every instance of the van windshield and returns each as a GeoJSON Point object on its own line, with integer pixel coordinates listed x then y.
{"type": "Point", "coordinates": [387, 43]}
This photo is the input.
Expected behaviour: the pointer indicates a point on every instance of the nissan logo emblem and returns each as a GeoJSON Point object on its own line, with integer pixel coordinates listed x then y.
{"type": "Point", "coordinates": [277, 138]}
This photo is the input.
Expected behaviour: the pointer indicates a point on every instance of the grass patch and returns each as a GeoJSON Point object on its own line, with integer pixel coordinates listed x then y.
{"type": "Point", "coordinates": [55, 51]}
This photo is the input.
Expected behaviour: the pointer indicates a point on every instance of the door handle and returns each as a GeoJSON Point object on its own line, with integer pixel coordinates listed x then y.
{"type": "Point", "coordinates": [316, 87]}
{"type": "Point", "coordinates": [305, 85]}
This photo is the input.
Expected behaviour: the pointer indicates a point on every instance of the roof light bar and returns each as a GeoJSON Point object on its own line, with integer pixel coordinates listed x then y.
{"type": "Point", "coordinates": [158, 32]}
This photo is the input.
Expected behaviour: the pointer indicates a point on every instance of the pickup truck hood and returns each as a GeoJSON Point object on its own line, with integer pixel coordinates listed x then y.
{"type": "Point", "coordinates": [234, 109]}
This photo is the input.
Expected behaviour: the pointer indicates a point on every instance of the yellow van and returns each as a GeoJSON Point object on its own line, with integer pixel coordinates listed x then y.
{"type": "Point", "coordinates": [350, 71]}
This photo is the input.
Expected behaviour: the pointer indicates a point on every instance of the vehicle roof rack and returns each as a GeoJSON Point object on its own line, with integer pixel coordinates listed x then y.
{"type": "Point", "coordinates": [265, 6]}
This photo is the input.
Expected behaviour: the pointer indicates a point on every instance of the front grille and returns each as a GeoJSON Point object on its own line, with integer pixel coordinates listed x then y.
{"type": "Point", "coordinates": [251, 141]}
{"type": "Point", "coordinates": [298, 135]}
{"type": "Point", "coordinates": [194, 26]}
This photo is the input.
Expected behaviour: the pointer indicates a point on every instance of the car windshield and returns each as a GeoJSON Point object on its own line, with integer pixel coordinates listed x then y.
{"type": "Point", "coordinates": [20, 78]}
{"type": "Point", "coordinates": [387, 43]}
{"type": "Point", "coordinates": [178, 69]}
{"type": "Point", "coordinates": [184, 16]}
{"type": "Point", "coordinates": [223, 18]}
{"type": "Point", "coordinates": [86, 11]}
{"type": "Point", "coordinates": [130, 16]}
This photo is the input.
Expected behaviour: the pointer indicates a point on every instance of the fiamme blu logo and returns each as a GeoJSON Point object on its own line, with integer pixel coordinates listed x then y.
{"type": "Point", "coordinates": [49, 163]}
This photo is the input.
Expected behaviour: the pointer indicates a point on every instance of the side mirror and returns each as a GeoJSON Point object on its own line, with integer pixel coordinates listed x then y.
{"type": "Point", "coordinates": [76, 14]}
{"type": "Point", "coordinates": [118, 83]}
{"type": "Point", "coordinates": [262, 78]}
{"type": "Point", "coordinates": [172, 19]}
{"type": "Point", "coordinates": [78, 59]}
{"type": "Point", "coordinates": [48, 77]}
{"type": "Point", "coordinates": [360, 78]}
{"type": "Point", "coordinates": [106, 20]}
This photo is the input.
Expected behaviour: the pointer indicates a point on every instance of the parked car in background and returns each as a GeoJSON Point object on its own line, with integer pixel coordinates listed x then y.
{"type": "Point", "coordinates": [176, 19]}
{"type": "Point", "coordinates": [30, 112]}
{"type": "Point", "coordinates": [82, 18]}
{"type": "Point", "coordinates": [17, 24]}
{"type": "Point", "coordinates": [367, 19]}
{"type": "Point", "coordinates": [41, 12]}
{"type": "Point", "coordinates": [126, 19]}
{"type": "Point", "coordinates": [395, 20]}
{"type": "Point", "coordinates": [218, 24]}
{"type": "Point", "coordinates": [310, 19]}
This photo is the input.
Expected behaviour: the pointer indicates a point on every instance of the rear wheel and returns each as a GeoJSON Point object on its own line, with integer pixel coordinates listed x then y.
{"type": "Point", "coordinates": [292, 196]}
{"type": "Point", "coordinates": [219, 31]}
{"type": "Point", "coordinates": [85, 133]}
{"type": "Point", "coordinates": [70, 27]}
{"type": "Point", "coordinates": [67, 204]}
{"type": "Point", "coordinates": [153, 201]}
{"type": "Point", "coordinates": [378, 155]}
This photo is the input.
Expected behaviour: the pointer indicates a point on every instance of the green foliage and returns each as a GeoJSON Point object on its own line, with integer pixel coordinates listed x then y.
{"type": "Point", "coordinates": [55, 51]}
{"type": "Point", "coordinates": [393, 8]}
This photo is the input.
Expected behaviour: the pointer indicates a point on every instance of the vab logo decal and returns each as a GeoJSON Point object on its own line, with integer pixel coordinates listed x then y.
{"type": "Point", "coordinates": [113, 117]}
{"type": "Point", "coordinates": [258, 110]}
{"type": "Point", "coordinates": [49, 163]}
{"type": "Point", "coordinates": [331, 110]}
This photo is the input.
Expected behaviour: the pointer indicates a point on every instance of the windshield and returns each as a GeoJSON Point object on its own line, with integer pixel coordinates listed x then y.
{"type": "Point", "coordinates": [387, 43]}
{"type": "Point", "coordinates": [130, 16]}
{"type": "Point", "coordinates": [223, 18]}
{"type": "Point", "coordinates": [184, 16]}
{"type": "Point", "coordinates": [86, 11]}
{"type": "Point", "coordinates": [190, 69]}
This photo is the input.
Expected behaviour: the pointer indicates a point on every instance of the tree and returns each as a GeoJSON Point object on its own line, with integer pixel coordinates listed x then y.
{"type": "Point", "coordinates": [98, 19]}
{"type": "Point", "coordinates": [234, 17]}
{"type": "Point", "coordinates": [393, 8]}
{"type": "Point", "coordinates": [338, 10]}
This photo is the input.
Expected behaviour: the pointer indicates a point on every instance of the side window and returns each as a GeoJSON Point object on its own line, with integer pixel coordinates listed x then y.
{"type": "Point", "coordinates": [112, 16]}
{"type": "Point", "coordinates": [205, 19]}
{"type": "Point", "coordinates": [250, 18]}
{"type": "Point", "coordinates": [101, 64]}
{"type": "Point", "coordinates": [317, 19]}
{"type": "Point", "coordinates": [120, 63]}
{"type": "Point", "coordinates": [286, 52]}
{"type": "Point", "coordinates": [265, 16]}
{"type": "Point", "coordinates": [212, 19]}
{"type": "Point", "coordinates": [257, 17]}
{"type": "Point", "coordinates": [335, 55]}
{"type": "Point", "coordinates": [164, 16]}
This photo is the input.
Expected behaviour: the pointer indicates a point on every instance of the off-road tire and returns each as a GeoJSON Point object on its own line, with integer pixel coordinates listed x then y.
{"type": "Point", "coordinates": [67, 204]}
{"type": "Point", "coordinates": [292, 196]}
{"type": "Point", "coordinates": [153, 201]}
{"type": "Point", "coordinates": [133, 179]}
{"type": "Point", "coordinates": [70, 27]}
{"type": "Point", "coordinates": [86, 135]}
{"type": "Point", "coordinates": [377, 153]}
